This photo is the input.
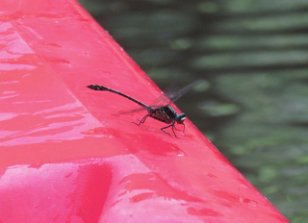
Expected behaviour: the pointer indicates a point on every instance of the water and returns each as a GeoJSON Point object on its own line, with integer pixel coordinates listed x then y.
{"type": "Point", "coordinates": [252, 59]}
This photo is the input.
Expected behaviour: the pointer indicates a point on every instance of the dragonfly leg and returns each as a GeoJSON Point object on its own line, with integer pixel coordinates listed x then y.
{"type": "Point", "coordinates": [168, 126]}
{"type": "Point", "coordinates": [180, 129]}
{"type": "Point", "coordinates": [173, 127]}
{"type": "Point", "coordinates": [184, 126]}
{"type": "Point", "coordinates": [142, 120]}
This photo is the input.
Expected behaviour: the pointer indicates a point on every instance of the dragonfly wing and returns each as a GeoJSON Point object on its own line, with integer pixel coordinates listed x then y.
{"type": "Point", "coordinates": [172, 95]}
{"type": "Point", "coordinates": [176, 95]}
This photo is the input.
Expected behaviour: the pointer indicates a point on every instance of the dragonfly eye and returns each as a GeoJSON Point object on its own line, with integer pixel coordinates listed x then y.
{"type": "Point", "coordinates": [181, 118]}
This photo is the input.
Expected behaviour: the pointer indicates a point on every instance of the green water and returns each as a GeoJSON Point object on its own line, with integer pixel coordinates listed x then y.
{"type": "Point", "coordinates": [252, 58]}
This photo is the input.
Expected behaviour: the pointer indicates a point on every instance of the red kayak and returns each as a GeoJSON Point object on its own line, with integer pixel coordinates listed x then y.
{"type": "Point", "coordinates": [66, 155]}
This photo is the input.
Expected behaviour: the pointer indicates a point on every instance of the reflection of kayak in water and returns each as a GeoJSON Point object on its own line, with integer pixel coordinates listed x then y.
{"type": "Point", "coordinates": [65, 155]}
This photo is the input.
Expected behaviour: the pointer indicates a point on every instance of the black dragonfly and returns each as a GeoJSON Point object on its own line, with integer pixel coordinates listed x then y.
{"type": "Point", "coordinates": [164, 113]}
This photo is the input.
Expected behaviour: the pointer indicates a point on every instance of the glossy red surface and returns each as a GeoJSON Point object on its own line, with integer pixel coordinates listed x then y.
{"type": "Point", "coordinates": [66, 155]}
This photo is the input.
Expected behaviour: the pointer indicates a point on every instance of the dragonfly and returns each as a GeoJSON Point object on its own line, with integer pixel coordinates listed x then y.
{"type": "Point", "coordinates": [163, 113]}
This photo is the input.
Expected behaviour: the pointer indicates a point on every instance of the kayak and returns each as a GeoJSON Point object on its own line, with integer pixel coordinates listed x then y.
{"type": "Point", "coordinates": [71, 154]}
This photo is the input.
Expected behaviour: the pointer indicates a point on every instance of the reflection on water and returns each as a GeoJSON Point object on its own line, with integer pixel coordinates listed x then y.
{"type": "Point", "coordinates": [251, 57]}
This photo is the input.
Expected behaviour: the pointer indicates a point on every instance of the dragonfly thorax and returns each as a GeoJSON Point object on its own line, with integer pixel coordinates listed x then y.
{"type": "Point", "coordinates": [166, 114]}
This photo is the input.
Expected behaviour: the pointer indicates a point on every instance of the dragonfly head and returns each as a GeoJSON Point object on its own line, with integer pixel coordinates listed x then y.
{"type": "Point", "coordinates": [181, 118]}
